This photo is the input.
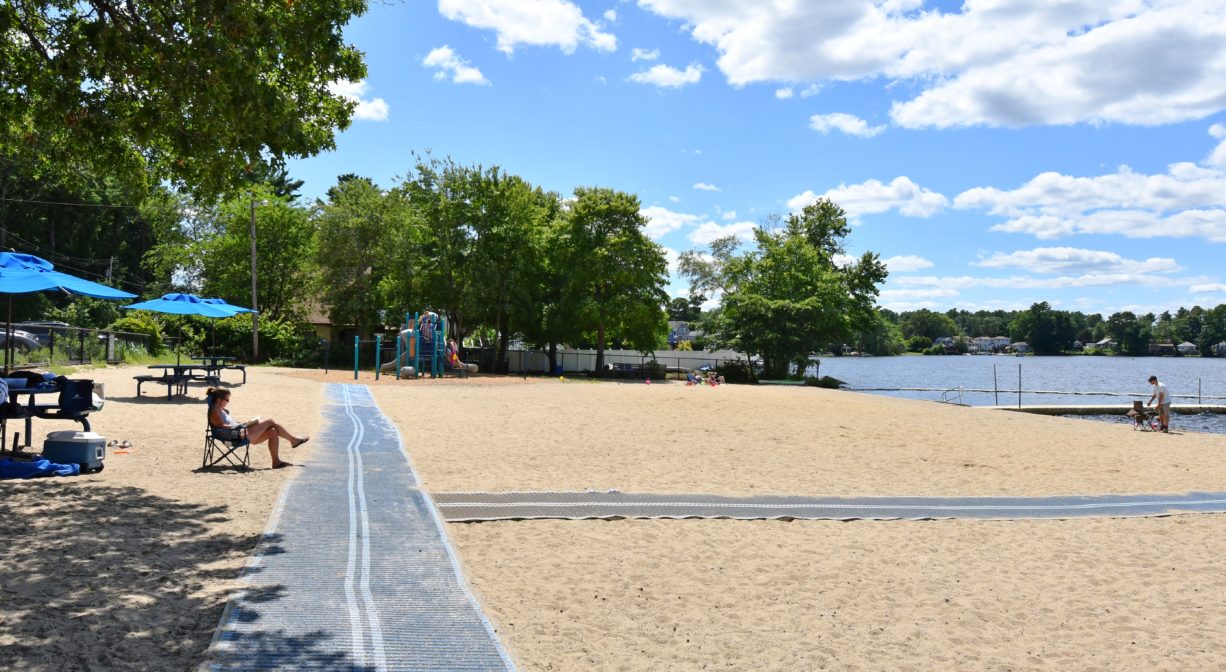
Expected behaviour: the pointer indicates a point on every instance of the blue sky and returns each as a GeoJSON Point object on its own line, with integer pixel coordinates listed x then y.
{"type": "Point", "coordinates": [995, 153]}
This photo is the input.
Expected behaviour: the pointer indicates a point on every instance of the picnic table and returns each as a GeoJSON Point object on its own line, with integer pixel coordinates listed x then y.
{"type": "Point", "coordinates": [217, 363]}
{"type": "Point", "coordinates": [34, 409]}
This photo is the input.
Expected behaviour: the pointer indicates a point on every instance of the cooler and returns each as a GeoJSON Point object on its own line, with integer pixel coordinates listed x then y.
{"type": "Point", "coordinates": [87, 449]}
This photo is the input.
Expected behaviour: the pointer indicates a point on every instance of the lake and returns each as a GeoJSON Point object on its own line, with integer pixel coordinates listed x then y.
{"type": "Point", "coordinates": [1191, 380]}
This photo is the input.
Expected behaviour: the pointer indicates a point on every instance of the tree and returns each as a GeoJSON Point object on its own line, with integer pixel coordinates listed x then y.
{"type": "Point", "coordinates": [284, 266]}
{"type": "Point", "coordinates": [1130, 331]}
{"type": "Point", "coordinates": [926, 323]}
{"type": "Point", "coordinates": [195, 94]}
{"type": "Point", "coordinates": [1047, 331]}
{"type": "Point", "coordinates": [350, 248]}
{"type": "Point", "coordinates": [615, 269]}
{"type": "Point", "coordinates": [788, 298]}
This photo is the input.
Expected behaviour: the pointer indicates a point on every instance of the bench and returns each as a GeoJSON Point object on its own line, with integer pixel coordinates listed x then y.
{"type": "Point", "coordinates": [174, 384]}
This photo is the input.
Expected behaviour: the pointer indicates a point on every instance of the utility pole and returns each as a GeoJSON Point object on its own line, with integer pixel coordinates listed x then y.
{"type": "Point", "coordinates": [255, 315]}
{"type": "Point", "coordinates": [110, 266]}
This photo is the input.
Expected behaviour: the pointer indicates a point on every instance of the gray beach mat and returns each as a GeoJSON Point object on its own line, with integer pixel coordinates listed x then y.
{"type": "Point", "coordinates": [484, 506]}
{"type": "Point", "coordinates": [354, 572]}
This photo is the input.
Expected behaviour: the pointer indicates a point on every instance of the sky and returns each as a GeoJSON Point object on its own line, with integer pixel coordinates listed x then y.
{"type": "Point", "coordinates": [994, 153]}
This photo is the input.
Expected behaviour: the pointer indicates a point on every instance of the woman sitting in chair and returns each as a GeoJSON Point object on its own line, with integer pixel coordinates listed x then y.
{"type": "Point", "coordinates": [257, 430]}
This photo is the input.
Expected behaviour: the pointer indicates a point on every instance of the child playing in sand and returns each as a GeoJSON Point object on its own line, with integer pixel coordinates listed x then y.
{"type": "Point", "coordinates": [257, 430]}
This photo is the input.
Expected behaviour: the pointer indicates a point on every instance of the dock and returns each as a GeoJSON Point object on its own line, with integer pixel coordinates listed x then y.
{"type": "Point", "coordinates": [1107, 409]}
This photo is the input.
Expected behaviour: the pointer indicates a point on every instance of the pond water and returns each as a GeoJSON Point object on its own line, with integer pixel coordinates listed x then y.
{"type": "Point", "coordinates": [1095, 380]}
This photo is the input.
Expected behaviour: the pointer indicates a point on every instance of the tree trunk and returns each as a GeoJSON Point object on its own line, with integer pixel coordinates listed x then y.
{"type": "Point", "coordinates": [553, 357]}
{"type": "Point", "coordinates": [600, 345]}
{"type": "Point", "coordinates": [500, 361]}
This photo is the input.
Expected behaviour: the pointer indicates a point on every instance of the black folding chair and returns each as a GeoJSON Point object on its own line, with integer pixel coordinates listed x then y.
{"type": "Point", "coordinates": [226, 445]}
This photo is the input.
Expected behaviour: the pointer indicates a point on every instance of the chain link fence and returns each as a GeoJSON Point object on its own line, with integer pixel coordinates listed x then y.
{"type": "Point", "coordinates": [46, 345]}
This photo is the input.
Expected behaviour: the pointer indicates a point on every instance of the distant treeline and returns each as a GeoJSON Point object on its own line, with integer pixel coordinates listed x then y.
{"type": "Point", "coordinates": [1047, 331]}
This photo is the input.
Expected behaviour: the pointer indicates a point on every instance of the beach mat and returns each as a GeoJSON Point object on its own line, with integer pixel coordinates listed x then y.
{"type": "Point", "coordinates": [483, 506]}
{"type": "Point", "coordinates": [354, 571]}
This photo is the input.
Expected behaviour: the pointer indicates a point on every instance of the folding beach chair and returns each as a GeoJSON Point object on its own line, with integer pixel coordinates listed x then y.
{"type": "Point", "coordinates": [224, 444]}
{"type": "Point", "coordinates": [1143, 418]}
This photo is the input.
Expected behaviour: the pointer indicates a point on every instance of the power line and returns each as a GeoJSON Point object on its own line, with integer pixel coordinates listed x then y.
{"type": "Point", "coordinates": [75, 205]}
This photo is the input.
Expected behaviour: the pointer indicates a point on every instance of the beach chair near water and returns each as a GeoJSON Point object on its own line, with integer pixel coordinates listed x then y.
{"type": "Point", "coordinates": [1143, 418]}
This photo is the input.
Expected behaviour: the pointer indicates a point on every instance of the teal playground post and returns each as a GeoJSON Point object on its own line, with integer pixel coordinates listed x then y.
{"type": "Point", "coordinates": [356, 350]}
{"type": "Point", "coordinates": [378, 353]}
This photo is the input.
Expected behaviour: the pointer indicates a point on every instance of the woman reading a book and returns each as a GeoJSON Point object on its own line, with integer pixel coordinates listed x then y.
{"type": "Point", "coordinates": [256, 430]}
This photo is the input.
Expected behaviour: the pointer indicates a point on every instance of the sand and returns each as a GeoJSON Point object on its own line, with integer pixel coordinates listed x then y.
{"type": "Point", "coordinates": [129, 569]}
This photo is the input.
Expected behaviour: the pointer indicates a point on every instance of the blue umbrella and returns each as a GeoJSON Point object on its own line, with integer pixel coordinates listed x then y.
{"type": "Point", "coordinates": [221, 303]}
{"type": "Point", "coordinates": [25, 273]}
{"type": "Point", "coordinates": [188, 304]}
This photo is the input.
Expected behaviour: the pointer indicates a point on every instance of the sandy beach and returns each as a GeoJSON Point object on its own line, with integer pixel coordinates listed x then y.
{"type": "Point", "coordinates": [130, 568]}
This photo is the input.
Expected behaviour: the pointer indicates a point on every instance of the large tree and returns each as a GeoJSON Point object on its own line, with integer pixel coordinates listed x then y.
{"type": "Point", "coordinates": [791, 296]}
{"type": "Point", "coordinates": [615, 270]}
{"type": "Point", "coordinates": [196, 93]}
{"type": "Point", "coordinates": [351, 230]}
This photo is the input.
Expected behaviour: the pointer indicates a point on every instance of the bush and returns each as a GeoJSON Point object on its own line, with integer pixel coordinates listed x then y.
{"type": "Point", "coordinates": [918, 343]}
{"type": "Point", "coordinates": [735, 371]}
{"type": "Point", "coordinates": [935, 350]}
{"type": "Point", "coordinates": [828, 382]}
{"type": "Point", "coordinates": [138, 322]}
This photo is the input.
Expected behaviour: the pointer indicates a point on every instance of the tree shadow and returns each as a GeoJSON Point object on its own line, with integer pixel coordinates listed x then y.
{"type": "Point", "coordinates": [99, 577]}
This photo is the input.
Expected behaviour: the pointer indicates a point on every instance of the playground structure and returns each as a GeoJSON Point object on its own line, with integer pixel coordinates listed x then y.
{"type": "Point", "coordinates": [421, 349]}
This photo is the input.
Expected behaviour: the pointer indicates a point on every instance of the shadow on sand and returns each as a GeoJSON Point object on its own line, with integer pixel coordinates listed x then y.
{"type": "Point", "coordinates": [99, 578]}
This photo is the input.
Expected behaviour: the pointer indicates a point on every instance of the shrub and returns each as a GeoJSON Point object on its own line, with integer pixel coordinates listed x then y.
{"type": "Point", "coordinates": [918, 343]}
{"type": "Point", "coordinates": [138, 322]}
{"type": "Point", "coordinates": [735, 371]}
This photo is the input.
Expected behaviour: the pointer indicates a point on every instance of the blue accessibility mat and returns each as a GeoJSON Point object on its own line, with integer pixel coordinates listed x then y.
{"type": "Point", "coordinates": [354, 571]}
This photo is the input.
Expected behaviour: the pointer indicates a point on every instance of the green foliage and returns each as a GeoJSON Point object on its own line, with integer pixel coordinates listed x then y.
{"type": "Point", "coordinates": [140, 322]}
{"type": "Point", "coordinates": [284, 246]}
{"type": "Point", "coordinates": [918, 343]}
{"type": "Point", "coordinates": [615, 274]}
{"type": "Point", "coordinates": [788, 298]}
{"type": "Point", "coordinates": [351, 250]}
{"type": "Point", "coordinates": [1132, 332]}
{"type": "Point", "coordinates": [736, 371]}
{"type": "Point", "coordinates": [1047, 331]}
{"type": "Point", "coordinates": [924, 322]}
{"type": "Point", "coordinates": [196, 94]}
{"type": "Point", "coordinates": [934, 350]}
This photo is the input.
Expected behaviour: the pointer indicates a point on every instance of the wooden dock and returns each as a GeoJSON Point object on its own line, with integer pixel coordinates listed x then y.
{"type": "Point", "coordinates": [1107, 409]}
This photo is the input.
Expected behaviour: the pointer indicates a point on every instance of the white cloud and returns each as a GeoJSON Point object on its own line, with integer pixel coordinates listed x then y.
{"type": "Point", "coordinates": [703, 186]}
{"type": "Point", "coordinates": [530, 22]}
{"type": "Point", "coordinates": [997, 62]}
{"type": "Point", "coordinates": [637, 54]}
{"type": "Point", "coordinates": [374, 109]}
{"type": "Point", "coordinates": [1187, 201]}
{"type": "Point", "coordinates": [674, 199]}
{"type": "Point", "coordinates": [709, 231]}
{"type": "Point", "coordinates": [1208, 288]}
{"type": "Point", "coordinates": [731, 214]}
{"type": "Point", "coordinates": [784, 93]}
{"type": "Point", "coordinates": [447, 63]}
{"type": "Point", "coordinates": [610, 15]}
{"type": "Point", "coordinates": [845, 123]}
{"type": "Point", "coordinates": [1076, 260]}
{"type": "Point", "coordinates": [911, 294]}
{"type": "Point", "coordinates": [1031, 282]}
{"type": "Point", "coordinates": [873, 197]}
{"type": "Point", "coordinates": [1218, 157]}
{"type": "Point", "coordinates": [906, 263]}
{"type": "Point", "coordinates": [662, 221]}
{"type": "Point", "coordinates": [668, 76]}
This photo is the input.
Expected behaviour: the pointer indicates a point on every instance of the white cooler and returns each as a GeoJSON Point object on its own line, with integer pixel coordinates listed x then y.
{"type": "Point", "coordinates": [87, 449]}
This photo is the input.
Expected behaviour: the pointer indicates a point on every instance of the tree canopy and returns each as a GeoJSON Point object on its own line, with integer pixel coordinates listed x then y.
{"type": "Point", "coordinates": [196, 94]}
{"type": "Point", "coordinates": [791, 297]}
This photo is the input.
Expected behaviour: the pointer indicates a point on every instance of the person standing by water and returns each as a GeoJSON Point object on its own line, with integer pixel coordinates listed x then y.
{"type": "Point", "coordinates": [1163, 396]}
